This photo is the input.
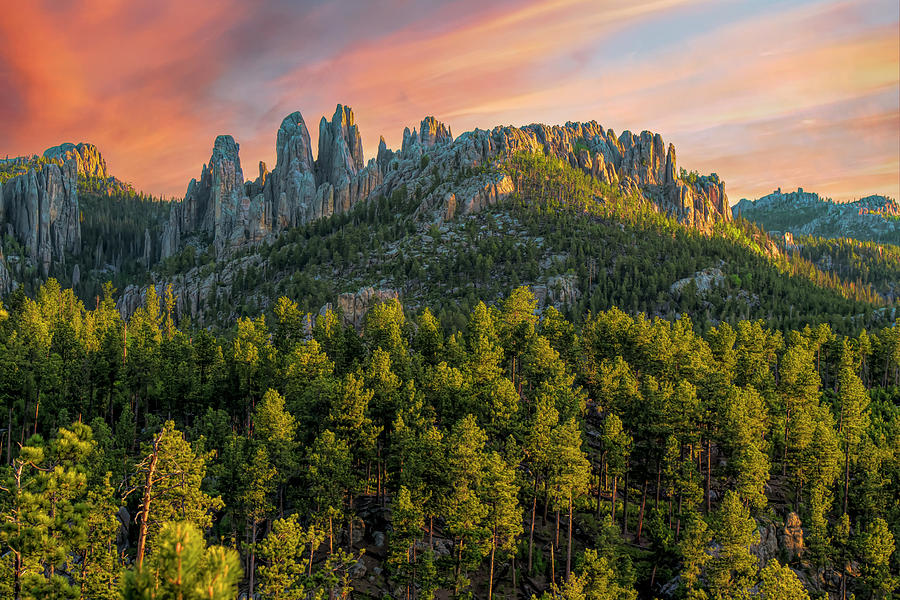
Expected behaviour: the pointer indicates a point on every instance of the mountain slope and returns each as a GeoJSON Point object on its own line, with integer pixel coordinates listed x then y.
{"type": "Point", "coordinates": [581, 244]}
{"type": "Point", "coordinates": [874, 218]}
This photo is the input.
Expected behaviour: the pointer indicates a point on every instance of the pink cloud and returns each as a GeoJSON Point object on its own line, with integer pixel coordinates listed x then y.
{"type": "Point", "coordinates": [152, 84]}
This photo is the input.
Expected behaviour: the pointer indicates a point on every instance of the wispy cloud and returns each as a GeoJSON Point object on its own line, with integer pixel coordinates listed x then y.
{"type": "Point", "coordinates": [767, 94]}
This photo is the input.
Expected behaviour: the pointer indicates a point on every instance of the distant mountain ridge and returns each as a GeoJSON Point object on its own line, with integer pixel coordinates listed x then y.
{"type": "Point", "coordinates": [873, 218]}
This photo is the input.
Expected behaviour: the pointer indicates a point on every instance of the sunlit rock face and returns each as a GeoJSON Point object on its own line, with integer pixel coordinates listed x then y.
{"type": "Point", "coordinates": [302, 188]}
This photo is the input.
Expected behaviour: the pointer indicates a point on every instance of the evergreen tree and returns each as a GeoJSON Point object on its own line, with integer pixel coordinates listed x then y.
{"type": "Point", "coordinates": [182, 566]}
{"type": "Point", "coordinates": [729, 572]}
{"type": "Point", "coordinates": [779, 583]}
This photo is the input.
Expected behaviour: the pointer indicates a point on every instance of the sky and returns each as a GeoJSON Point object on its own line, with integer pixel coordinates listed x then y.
{"type": "Point", "coordinates": [766, 93]}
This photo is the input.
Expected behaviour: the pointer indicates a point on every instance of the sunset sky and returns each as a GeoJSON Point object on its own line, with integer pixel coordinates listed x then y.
{"type": "Point", "coordinates": [765, 93]}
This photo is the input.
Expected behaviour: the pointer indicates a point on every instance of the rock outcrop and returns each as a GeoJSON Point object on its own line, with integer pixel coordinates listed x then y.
{"type": "Point", "coordinates": [792, 537]}
{"type": "Point", "coordinates": [446, 175]}
{"type": "Point", "coordinates": [293, 183]}
{"type": "Point", "coordinates": [353, 306]}
{"type": "Point", "coordinates": [212, 205]}
{"type": "Point", "coordinates": [341, 173]}
{"type": "Point", "coordinates": [299, 190]}
{"type": "Point", "coordinates": [40, 209]}
{"type": "Point", "coordinates": [88, 158]}
{"type": "Point", "coordinates": [91, 165]}
{"type": "Point", "coordinates": [641, 164]}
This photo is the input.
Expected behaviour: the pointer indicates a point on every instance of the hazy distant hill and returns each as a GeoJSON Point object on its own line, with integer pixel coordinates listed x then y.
{"type": "Point", "coordinates": [873, 218]}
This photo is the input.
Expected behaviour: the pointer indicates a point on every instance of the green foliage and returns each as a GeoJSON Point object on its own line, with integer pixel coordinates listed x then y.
{"type": "Point", "coordinates": [184, 567]}
{"type": "Point", "coordinates": [287, 448]}
{"type": "Point", "coordinates": [779, 582]}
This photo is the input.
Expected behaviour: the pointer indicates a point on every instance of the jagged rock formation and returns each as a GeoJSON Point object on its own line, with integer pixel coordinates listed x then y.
{"type": "Point", "coordinates": [90, 165]}
{"type": "Point", "coordinates": [212, 205]}
{"type": "Point", "coordinates": [638, 163]}
{"type": "Point", "coordinates": [301, 189]}
{"type": "Point", "coordinates": [88, 158]}
{"type": "Point", "coordinates": [873, 218]}
{"type": "Point", "coordinates": [40, 209]}
{"type": "Point", "coordinates": [293, 183]}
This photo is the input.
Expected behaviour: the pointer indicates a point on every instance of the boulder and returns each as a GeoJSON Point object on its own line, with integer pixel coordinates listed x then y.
{"type": "Point", "coordinates": [355, 305]}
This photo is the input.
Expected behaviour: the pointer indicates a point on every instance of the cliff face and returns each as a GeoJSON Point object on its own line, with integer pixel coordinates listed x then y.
{"type": "Point", "coordinates": [302, 189]}
{"type": "Point", "coordinates": [40, 209]}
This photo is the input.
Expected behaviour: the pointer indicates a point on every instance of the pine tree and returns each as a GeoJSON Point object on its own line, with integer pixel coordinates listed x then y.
{"type": "Point", "coordinates": [330, 475]}
{"type": "Point", "coordinates": [182, 566]}
{"type": "Point", "coordinates": [287, 553]}
{"type": "Point", "coordinates": [406, 528]}
{"type": "Point", "coordinates": [876, 546]}
{"type": "Point", "coordinates": [169, 481]}
{"type": "Point", "coordinates": [570, 477]}
{"type": "Point", "coordinates": [256, 500]}
{"type": "Point", "coordinates": [276, 428]}
{"type": "Point", "coordinates": [465, 510]}
{"type": "Point", "coordinates": [729, 572]}
{"type": "Point", "coordinates": [596, 581]}
{"type": "Point", "coordinates": [779, 582]}
{"type": "Point", "coordinates": [694, 551]}
{"type": "Point", "coordinates": [854, 404]}
{"type": "Point", "coordinates": [504, 516]}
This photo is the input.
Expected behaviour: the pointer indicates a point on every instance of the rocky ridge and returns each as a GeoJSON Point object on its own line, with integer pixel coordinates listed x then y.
{"type": "Point", "coordinates": [874, 218]}
{"type": "Point", "coordinates": [234, 212]}
{"type": "Point", "coordinates": [39, 205]}
{"type": "Point", "coordinates": [300, 189]}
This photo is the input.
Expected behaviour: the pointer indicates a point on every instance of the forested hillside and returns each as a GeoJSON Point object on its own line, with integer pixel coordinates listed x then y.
{"type": "Point", "coordinates": [516, 456]}
{"type": "Point", "coordinates": [587, 245]}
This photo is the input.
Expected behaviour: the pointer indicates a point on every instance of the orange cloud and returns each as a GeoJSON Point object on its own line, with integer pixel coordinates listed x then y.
{"type": "Point", "coordinates": [766, 95]}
